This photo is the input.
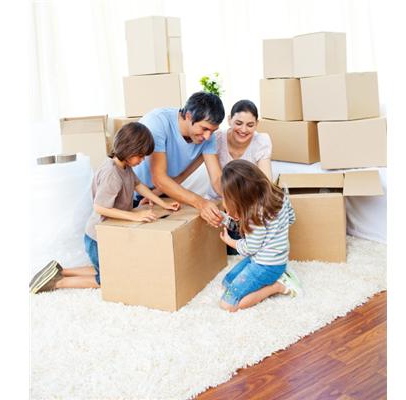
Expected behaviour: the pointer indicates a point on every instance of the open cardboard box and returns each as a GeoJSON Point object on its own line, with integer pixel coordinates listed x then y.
{"type": "Point", "coordinates": [162, 264]}
{"type": "Point", "coordinates": [319, 232]}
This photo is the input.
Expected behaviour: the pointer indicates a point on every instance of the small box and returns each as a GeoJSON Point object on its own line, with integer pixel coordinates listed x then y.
{"type": "Point", "coordinates": [281, 99]}
{"type": "Point", "coordinates": [175, 54]}
{"type": "Point", "coordinates": [173, 28]}
{"type": "Point", "coordinates": [353, 144]}
{"type": "Point", "coordinates": [292, 141]}
{"type": "Point", "coordinates": [340, 97]}
{"type": "Point", "coordinates": [162, 264]}
{"type": "Point", "coordinates": [319, 232]}
{"type": "Point", "coordinates": [145, 92]}
{"type": "Point", "coordinates": [85, 135]}
{"type": "Point", "coordinates": [119, 122]}
{"type": "Point", "coordinates": [278, 58]}
{"type": "Point", "coordinates": [147, 48]}
{"type": "Point", "coordinates": [320, 53]}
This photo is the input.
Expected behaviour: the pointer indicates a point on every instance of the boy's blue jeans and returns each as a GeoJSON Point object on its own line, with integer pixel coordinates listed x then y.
{"type": "Point", "coordinates": [91, 250]}
{"type": "Point", "coordinates": [246, 277]}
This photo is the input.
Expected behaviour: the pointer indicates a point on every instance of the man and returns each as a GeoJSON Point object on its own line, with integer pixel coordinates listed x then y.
{"type": "Point", "coordinates": [182, 138]}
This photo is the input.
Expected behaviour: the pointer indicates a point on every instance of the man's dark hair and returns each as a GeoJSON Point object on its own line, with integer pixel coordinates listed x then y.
{"type": "Point", "coordinates": [204, 106]}
{"type": "Point", "coordinates": [245, 106]}
{"type": "Point", "coordinates": [133, 139]}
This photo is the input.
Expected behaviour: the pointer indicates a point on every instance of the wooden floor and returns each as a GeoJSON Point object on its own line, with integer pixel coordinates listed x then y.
{"type": "Point", "coordinates": [345, 360]}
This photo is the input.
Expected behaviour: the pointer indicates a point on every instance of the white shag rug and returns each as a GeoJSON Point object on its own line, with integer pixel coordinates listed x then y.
{"type": "Point", "coordinates": [85, 348]}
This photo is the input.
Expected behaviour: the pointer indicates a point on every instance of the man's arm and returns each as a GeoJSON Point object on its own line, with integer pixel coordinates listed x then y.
{"type": "Point", "coordinates": [164, 183]}
{"type": "Point", "coordinates": [214, 170]}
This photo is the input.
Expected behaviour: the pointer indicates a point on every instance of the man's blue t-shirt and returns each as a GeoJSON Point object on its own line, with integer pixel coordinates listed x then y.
{"type": "Point", "coordinates": [164, 126]}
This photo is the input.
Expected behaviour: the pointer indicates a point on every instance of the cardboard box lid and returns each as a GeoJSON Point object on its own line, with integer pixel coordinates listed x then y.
{"type": "Point", "coordinates": [353, 183]}
{"type": "Point", "coordinates": [74, 125]}
{"type": "Point", "coordinates": [167, 221]}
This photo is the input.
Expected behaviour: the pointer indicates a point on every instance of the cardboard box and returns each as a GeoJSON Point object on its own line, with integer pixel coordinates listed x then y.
{"type": "Point", "coordinates": [278, 58]}
{"type": "Point", "coordinates": [85, 135]}
{"type": "Point", "coordinates": [319, 232]}
{"type": "Point", "coordinates": [320, 53]}
{"type": "Point", "coordinates": [293, 141]}
{"type": "Point", "coordinates": [162, 264]}
{"type": "Point", "coordinates": [119, 122]}
{"type": "Point", "coordinates": [340, 97]}
{"type": "Point", "coordinates": [173, 28]}
{"type": "Point", "coordinates": [146, 92]}
{"type": "Point", "coordinates": [281, 99]}
{"type": "Point", "coordinates": [175, 54]}
{"type": "Point", "coordinates": [147, 49]}
{"type": "Point", "coordinates": [353, 144]}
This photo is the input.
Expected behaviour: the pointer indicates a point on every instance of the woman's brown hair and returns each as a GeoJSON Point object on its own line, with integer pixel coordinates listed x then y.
{"type": "Point", "coordinates": [249, 194]}
{"type": "Point", "coordinates": [133, 139]}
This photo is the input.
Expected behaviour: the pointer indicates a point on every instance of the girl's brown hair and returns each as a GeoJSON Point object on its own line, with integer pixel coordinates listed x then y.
{"type": "Point", "coordinates": [249, 194]}
{"type": "Point", "coordinates": [133, 139]}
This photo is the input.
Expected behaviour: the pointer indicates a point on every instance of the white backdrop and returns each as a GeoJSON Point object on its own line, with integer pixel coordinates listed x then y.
{"type": "Point", "coordinates": [80, 49]}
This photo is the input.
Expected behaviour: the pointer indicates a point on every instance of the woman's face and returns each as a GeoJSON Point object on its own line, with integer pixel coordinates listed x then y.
{"type": "Point", "coordinates": [243, 125]}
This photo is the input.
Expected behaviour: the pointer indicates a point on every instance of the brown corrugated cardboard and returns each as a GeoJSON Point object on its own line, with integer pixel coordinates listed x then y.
{"type": "Point", "coordinates": [353, 144]}
{"type": "Point", "coordinates": [278, 58]}
{"type": "Point", "coordinates": [281, 99]}
{"type": "Point", "coordinates": [320, 53]}
{"type": "Point", "coordinates": [160, 265]}
{"type": "Point", "coordinates": [147, 49]}
{"type": "Point", "coordinates": [144, 93]}
{"type": "Point", "coordinates": [319, 232]}
{"type": "Point", "coordinates": [175, 54]}
{"type": "Point", "coordinates": [340, 97]}
{"type": "Point", "coordinates": [293, 141]}
{"type": "Point", "coordinates": [85, 135]}
{"type": "Point", "coordinates": [173, 28]}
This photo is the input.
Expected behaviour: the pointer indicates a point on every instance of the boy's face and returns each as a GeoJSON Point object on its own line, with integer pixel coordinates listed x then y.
{"type": "Point", "coordinates": [134, 160]}
{"type": "Point", "coordinates": [200, 130]}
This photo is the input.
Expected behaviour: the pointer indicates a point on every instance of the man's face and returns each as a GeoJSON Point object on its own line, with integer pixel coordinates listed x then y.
{"type": "Point", "coordinates": [200, 130]}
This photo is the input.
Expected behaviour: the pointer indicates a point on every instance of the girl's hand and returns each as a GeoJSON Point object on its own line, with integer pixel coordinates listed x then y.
{"type": "Point", "coordinates": [225, 237]}
{"type": "Point", "coordinates": [144, 216]}
{"type": "Point", "coordinates": [172, 206]}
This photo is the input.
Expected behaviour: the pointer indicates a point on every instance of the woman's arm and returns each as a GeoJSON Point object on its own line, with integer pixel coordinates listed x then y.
{"type": "Point", "coordinates": [266, 167]}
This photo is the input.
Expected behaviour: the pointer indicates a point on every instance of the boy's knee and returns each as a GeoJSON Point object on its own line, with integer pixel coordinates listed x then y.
{"type": "Point", "coordinates": [228, 307]}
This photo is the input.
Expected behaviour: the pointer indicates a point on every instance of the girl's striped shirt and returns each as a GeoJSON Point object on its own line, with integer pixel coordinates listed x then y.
{"type": "Point", "coordinates": [269, 244]}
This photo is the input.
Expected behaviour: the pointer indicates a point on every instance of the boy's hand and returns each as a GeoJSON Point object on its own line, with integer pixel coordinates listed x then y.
{"type": "Point", "coordinates": [145, 200]}
{"type": "Point", "coordinates": [144, 216]}
{"type": "Point", "coordinates": [172, 206]}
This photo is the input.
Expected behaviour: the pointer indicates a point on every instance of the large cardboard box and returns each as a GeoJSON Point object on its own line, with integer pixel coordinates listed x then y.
{"type": "Point", "coordinates": [320, 53]}
{"type": "Point", "coordinates": [319, 232]}
{"type": "Point", "coordinates": [173, 28]}
{"type": "Point", "coordinates": [278, 58]}
{"type": "Point", "coordinates": [340, 97]}
{"type": "Point", "coordinates": [162, 264]}
{"type": "Point", "coordinates": [175, 54]}
{"type": "Point", "coordinates": [145, 92]}
{"type": "Point", "coordinates": [281, 99]}
{"type": "Point", "coordinates": [293, 141]}
{"type": "Point", "coordinates": [353, 144]}
{"type": "Point", "coordinates": [85, 135]}
{"type": "Point", "coordinates": [147, 49]}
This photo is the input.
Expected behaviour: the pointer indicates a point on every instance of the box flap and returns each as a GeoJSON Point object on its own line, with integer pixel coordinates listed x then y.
{"type": "Point", "coordinates": [77, 125]}
{"type": "Point", "coordinates": [333, 180]}
{"type": "Point", "coordinates": [362, 183]}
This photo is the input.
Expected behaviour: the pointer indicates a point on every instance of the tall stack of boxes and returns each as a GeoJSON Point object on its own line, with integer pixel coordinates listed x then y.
{"type": "Point", "coordinates": [314, 110]}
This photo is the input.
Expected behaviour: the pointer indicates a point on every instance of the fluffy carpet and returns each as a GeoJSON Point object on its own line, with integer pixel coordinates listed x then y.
{"type": "Point", "coordinates": [85, 348]}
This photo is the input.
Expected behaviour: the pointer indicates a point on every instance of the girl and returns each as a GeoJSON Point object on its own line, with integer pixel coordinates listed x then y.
{"type": "Point", "coordinates": [112, 190]}
{"type": "Point", "coordinates": [264, 213]}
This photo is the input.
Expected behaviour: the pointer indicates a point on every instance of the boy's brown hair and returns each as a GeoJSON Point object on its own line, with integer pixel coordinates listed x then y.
{"type": "Point", "coordinates": [249, 194]}
{"type": "Point", "coordinates": [133, 139]}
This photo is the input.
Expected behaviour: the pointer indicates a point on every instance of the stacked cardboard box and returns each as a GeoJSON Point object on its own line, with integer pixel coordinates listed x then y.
{"type": "Point", "coordinates": [306, 83]}
{"type": "Point", "coordinates": [155, 65]}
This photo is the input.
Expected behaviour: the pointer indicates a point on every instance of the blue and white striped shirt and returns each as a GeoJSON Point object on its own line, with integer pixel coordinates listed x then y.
{"type": "Point", "coordinates": [269, 244]}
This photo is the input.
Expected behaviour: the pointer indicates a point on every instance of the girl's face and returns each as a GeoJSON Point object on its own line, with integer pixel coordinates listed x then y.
{"type": "Point", "coordinates": [134, 160]}
{"type": "Point", "coordinates": [243, 125]}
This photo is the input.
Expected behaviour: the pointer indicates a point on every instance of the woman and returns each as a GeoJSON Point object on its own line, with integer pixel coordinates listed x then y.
{"type": "Point", "coordinates": [241, 141]}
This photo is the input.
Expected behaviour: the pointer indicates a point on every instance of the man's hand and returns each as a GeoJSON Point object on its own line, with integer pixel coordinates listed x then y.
{"type": "Point", "coordinates": [144, 216]}
{"type": "Point", "coordinates": [210, 213]}
{"type": "Point", "coordinates": [225, 237]}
